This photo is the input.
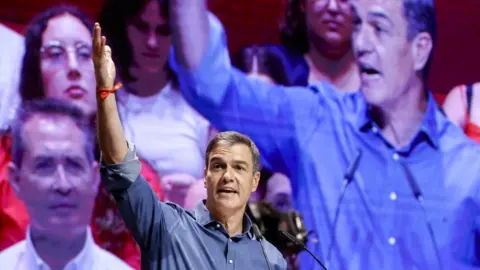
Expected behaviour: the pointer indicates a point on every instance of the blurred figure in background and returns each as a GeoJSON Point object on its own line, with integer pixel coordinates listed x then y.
{"type": "Point", "coordinates": [462, 106]}
{"type": "Point", "coordinates": [53, 171]}
{"type": "Point", "coordinates": [316, 38]}
{"type": "Point", "coordinates": [58, 63]}
{"type": "Point", "coordinates": [278, 191]}
{"type": "Point", "coordinates": [10, 61]}
{"type": "Point", "coordinates": [154, 114]}
{"type": "Point", "coordinates": [266, 63]}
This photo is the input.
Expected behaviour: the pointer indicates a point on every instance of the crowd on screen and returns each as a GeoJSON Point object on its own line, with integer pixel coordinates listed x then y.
{"type": "Point", "coordinates": [65, 218]}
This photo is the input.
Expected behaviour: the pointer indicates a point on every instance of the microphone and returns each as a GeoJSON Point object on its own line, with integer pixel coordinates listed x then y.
{"type": "Point", "coordinates": [259, 237]}
{"type": "Point", "coordinates": [292, 238]}
{"type": "Point", "coordinates": [417, 193]}
{"type": "Point", "coordinates": [347, 179]}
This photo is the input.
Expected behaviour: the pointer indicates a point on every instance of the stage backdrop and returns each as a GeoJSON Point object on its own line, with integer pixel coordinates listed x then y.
{"type": "Point", "coordinates": [457, 54]}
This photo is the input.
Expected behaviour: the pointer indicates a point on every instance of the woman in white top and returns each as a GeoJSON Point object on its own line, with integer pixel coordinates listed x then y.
{"type": "Point", "coordinates": [167, 132]}
{"type": "Point", "coordinates": [10, 63]}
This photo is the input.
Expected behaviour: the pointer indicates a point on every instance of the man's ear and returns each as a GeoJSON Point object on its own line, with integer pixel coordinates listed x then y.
{"type": "Point", "coordinates": [96, 178]}
{"type": "Point", "coordinates": [14, 177]}
{"type": "Point", "coordinates": [256, 181]}
{"type": "Point", "coordinates": [422, 46]}
{"type": "Point", "coordinates": [205, 177]}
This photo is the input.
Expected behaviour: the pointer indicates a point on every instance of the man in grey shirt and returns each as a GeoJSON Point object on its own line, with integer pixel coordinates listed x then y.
{"type": "Point", "coordinates": [217, 234]}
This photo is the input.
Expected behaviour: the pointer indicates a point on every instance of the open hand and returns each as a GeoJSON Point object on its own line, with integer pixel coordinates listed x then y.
{"type": "Point", "coordinates": [102, 59]}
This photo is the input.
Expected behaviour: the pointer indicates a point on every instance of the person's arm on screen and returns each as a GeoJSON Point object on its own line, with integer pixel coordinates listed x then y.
{"type": "Point", "coordinates": [143, 213]}
{"type": "Point", "coordinates": [189, 21]}
{"type": "Point", "coordinates": [273, 116]}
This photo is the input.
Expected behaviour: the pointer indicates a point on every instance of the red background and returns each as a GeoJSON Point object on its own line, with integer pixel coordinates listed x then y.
{"type": "Point", "coordinates": [257, 21]}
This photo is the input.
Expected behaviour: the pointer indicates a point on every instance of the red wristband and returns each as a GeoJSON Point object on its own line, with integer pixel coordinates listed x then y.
{"type": "Point", "coordinates": [104, 92]}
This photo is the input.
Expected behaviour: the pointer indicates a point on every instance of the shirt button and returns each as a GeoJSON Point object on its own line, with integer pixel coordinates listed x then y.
{"type": "Point", "coordinates": [393, 196]}
{"type": "Point", "coordinates": [230, 240]}
{"type": "Point", "coordinates": [230, 261]}
{"type": "Point", "coordinates": [395, 156]}
{"type": "Point", "coordinates": [392, 240]}
{"type": "Point", "coordinates": [374, 129]}
{"type": "Point", "coordinates": [218, 225]}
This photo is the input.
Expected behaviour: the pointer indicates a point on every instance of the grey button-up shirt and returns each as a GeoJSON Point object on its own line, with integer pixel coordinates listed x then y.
{"type": "Point", "coordinates": [173, 238]}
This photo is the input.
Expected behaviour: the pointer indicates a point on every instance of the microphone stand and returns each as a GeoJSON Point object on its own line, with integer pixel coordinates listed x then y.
{"type": "Point", "coordinates": [292, 238]}
{"type": "Point", "coordinates": [417, 193]}
{"type": "Point", "coordinates": [346, 181]}
{"type": "Point", "coordinates": [259, 237]}
{"type": "Point", "coordinates": [430, 232]}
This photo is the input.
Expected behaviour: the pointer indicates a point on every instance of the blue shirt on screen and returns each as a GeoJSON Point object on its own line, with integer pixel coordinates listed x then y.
{"type": "Point", "coordinates": [312, 134]}
{"type": "Point", "coordinates": [173, 238]}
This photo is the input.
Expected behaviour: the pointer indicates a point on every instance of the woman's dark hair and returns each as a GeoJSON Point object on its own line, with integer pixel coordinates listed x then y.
{"type": "Point", "coordinates": [31, 82]}
{"type": "Point", "coordinates": [114, 18]}
{"type": "Point", "coordinates": [271, 61]}
{"type": "Point", "coordinates": [293, 34]}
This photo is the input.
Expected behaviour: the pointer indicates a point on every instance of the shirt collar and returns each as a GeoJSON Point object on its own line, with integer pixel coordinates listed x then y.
{"type": "Point", "coordinates": [202, 215]}
{"type": "Point", "coordinates": [430, 125]}
{"type": "Point", "coordinates": [83, 260]}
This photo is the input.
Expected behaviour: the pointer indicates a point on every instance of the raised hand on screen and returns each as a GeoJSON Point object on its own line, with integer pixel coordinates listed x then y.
{"type": "Point", "coordinates": [102, 59]}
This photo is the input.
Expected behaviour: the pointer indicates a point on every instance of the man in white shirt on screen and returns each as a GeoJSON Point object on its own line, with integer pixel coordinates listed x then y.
{"type": "Point", "coordinates": [11, 54]}
{"type": "Point", "coordinates": [53, 171]}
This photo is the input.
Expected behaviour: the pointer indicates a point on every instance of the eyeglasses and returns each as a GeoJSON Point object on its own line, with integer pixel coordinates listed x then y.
{"type": "Point", "coordinates": [57, 53]}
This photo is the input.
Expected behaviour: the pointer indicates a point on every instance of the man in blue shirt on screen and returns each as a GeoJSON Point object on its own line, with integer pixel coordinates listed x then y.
{"type": "Point", "coordinates": [313, 134]}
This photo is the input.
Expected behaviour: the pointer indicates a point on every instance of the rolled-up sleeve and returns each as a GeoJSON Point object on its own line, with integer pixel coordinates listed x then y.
{"type": "Point", "coordinates": [119, 177]}
{"type": "Point", "coordinates": [144, 214]}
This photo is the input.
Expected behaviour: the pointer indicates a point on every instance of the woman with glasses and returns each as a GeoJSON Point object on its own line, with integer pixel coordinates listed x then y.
{"type": "Point", "coordinates": [167, 132]}
{"type": "Point", "coordinates": [58, 63]}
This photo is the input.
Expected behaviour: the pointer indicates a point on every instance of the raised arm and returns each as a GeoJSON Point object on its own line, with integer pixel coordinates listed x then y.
{"type": "Point", "coordinates": [189, 19]}
{"type": "Point", "coordinates": [147, 218]}
{"type": "Point", "coordinates": [111, 138]}
{"type": "Point", "coordinates": [275, 117]}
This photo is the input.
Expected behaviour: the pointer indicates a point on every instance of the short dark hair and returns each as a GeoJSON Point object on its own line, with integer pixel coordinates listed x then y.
{"type": "Point", "coordinates": [231, 138]}
{"type": "Point", "coordinates": [421, 17]}
{"type": "Point", "coordinates": [113, 18]}
{"type": "Point", "coordinates": [293, 33]}
{"type": "Point", "coordinates": [49, 107]}
{"type": "Point", "coordinates": [31, 82]}
{"type": "Point", "coordinates": [271, 61]}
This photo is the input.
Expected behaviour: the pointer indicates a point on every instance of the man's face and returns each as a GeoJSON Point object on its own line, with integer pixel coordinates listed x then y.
{"type": "Point", "coordinates": [230, 177]}
{"type": "Point", "coordinates": [384, 54]}
{"type": "Point", "coordinates": [329, 20]}
{"type": "Point", "coordinates": [55, 180]}
{"type": "Point", "coordinates": [66, 62]}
